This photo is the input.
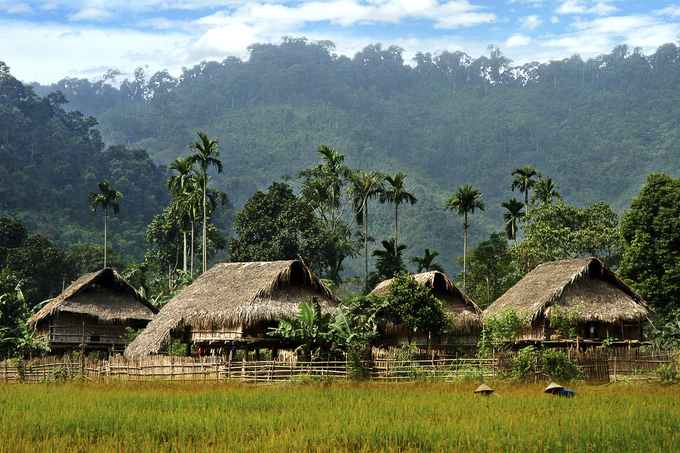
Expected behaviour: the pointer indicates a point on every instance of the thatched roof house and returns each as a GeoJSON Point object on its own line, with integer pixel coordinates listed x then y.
{"type": "Point", "coordinates": [93, 312]}
{"type": "Point", "coordinates": [605, 306]}
{"type": "Point", "coordinates": [467, 316]}
{"type": "Point", "coordinates": [233, 304]}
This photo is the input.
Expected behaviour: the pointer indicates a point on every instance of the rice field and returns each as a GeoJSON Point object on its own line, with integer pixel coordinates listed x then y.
{"type": "Point", "coordinates": [337, 417]}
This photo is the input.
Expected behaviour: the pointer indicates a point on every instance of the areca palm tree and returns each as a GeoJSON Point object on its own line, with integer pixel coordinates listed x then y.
{"type": "Point", "coordinates": [396, 194]}
{"type": "Point", "coordinates": [524, 181]}
{"type": "Point", "coordinates": [182, 186]}
{"type": "Point", "coordinates": [364, 187]}
{"type": "Point", "coordinates": [465, 201]}
{"type": "Point", "coordinates": [514, 213]}
{"type": "Point", "coordinates": [545, 191]}
{"type": "Point", "coordinates": [107, 198]}
{"type": "Point", "coordinates": [426, 262]}
{"type": "Point", "coordinates": [206, 157]}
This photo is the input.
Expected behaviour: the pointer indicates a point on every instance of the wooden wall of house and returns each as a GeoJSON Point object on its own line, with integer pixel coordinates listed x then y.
{"type": "Point", "coordinates": [214, 334]}
{"type": "Point", "coordinates": [395, 335]}
{"type": "Point", "coordinates": [69, 329]}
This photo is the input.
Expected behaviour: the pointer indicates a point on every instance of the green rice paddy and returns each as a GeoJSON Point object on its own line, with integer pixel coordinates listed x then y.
{"type": "Point", "coordinates": [361, 417]}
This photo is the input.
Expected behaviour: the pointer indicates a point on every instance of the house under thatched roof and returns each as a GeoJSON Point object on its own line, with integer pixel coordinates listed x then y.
{"type": "Point", "coordinates": [93, 311]}
{"type": "Point", "coordinates": [467, 316]}
{"type": "Point", "coordinates": [233, 304]}
{"type": "Point", "coordinates": [604, 304]}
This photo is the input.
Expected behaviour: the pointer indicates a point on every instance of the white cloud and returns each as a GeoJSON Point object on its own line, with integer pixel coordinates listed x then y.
{"type": "Point", "coordinates": [530, 22]}
{"type": "Point", "coordinates": [518, 40]}
{"type": "Point", "coordinates": [21, 8]}
{"type": "Point", "coordinates": [581, 7]}
{"type": "Point", "coordinates": [554, 20]}
{"type": "Point", "coordinates": [91, 14]}
{"type": "Point", "coordinates": [220, 42]}
{"type": "Point", "coordinates": [673, 11]}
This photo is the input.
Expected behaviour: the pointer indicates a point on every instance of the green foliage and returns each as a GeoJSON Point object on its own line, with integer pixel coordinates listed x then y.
{"type": "Point", "coordinates": [12, 234]}
{"type": "Point", "coordinates": [387, 263]}
{"type": "Point", "coordinates": [43, 270]}
{"type": "Point", "coordinates": [667, 337]}
{"type": "Point", "coordinates": [426, 263]}
{"type": "Point", "coordinates": [668, 374]}
{"type": "Point", "coordinates": [465, 201]}
{"type": "Point", "coordinates": [490, 271]}
{"type": "Point", "coordinates": [565, 323]}
{"type": "Point", "coordinates": [500, 329]}
{"type": "Point", "coordinates": [311, 328]}
{"type": "Point", "coordinates": [558, 367]}
{"type": "Point", "coordinates": [412, 303]}
{"type": "Point", "coordinates": [522, 365]}
{"type": "Point", "coordinates": [650, 231]}
{"type": "Point", "coordinates": [90, 258]}
{"type": "Point", "coordinates": [560, 231]}
{"type": "Point", "coordinates": [278, 226]}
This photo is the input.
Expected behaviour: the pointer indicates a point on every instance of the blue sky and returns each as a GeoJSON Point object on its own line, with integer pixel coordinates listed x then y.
{"type": "Point", "coordinates": [48, 40]}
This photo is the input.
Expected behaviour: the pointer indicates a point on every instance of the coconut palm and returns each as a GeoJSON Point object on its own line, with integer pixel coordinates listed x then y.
{"type": "Point", "coordinates": [364, 187]}
{"type": "Point", "coordinates": [524, 181]}
{"type": "Point", "coordinates": [426, 262]}
{"type": "Point", "coordinates": [107, 198]}
{"type": "Point", "coordinates": [465, 201]}
{"type": "Point", "coordinates": [206, 157]}
{"type": "Point", "coordinates": [514, 213]}
{"type": "Point", "coordinates": [397, 195]}
{"type": "Point", "coordinates": [545, 191]}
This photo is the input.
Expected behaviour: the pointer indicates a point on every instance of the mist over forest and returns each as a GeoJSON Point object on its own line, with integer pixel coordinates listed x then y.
{"type": "Point", "coordinates": [596, 127]}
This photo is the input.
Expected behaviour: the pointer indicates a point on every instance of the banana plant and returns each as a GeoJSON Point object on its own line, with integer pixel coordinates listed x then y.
{"type": "Point", "coordinates": [310, 327]}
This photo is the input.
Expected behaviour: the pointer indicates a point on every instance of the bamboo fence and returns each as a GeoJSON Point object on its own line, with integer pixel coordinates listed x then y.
{"type": "Point", "coordinates": [598, 365]}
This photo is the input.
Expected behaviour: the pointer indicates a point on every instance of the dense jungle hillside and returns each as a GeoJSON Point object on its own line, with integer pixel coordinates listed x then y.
{"type": "Point", "coordinates": [597, 127]}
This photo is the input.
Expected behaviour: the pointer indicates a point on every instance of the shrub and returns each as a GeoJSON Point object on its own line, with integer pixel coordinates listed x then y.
{"type": "Point", "coordinates": [557, 365]}
{"type": "Point", "coordinates": [523, 364]}
{"type": "Point", "coordinates": [668, 374]}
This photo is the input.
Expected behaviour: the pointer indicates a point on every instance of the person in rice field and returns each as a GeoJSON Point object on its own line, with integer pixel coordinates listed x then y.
{"type": "Point", "coordinates": [557, 390]}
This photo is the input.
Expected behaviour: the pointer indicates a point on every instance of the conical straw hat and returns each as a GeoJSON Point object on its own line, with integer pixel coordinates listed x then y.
{"type": "Point", "coordinates": [553, 386]}
{"type": "Point", "coordinates": [484, 389]}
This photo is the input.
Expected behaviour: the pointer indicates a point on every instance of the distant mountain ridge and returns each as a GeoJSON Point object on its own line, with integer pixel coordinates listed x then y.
{"type": "Point", "coordinates": [597, 127]}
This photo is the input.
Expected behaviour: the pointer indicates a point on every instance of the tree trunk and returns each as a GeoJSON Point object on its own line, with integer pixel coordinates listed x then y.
{"type": "Point", "coordinates": [396, 227]}
{"type": "Point", "coordinates": [465, 227]}
{"type": "Point", "coordinates": [205, 217]}
{"type": "Point", "coordinates": [366, 247]}
{"type": "Point", "coordinates": [106, 221]}
{"type": "Point", "coordinates": [184, 234]}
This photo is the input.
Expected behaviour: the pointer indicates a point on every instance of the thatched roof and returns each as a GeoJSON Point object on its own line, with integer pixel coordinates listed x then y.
{"type": "Point", "coordinates": [103, 294]}
{"type": "Point", "coordinates": [235, 294]}
{"type": "Point", "coordinates": [457, 304]}
{"type": "Point", "coordinates": [585, 284]}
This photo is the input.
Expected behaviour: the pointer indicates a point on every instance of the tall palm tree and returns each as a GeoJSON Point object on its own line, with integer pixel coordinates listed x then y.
{"type": "Point", "coordinates": [397, 195]}
{"type": "Point", "coordinates": [107, 198]}
{"type": "Point", "coordinates": [465, 201]}
{"type": "Point", "coordinates": [206, 157]}
{"type": "Point", "coordinates": [426, 262]}
{"type": "Point", "coordinates": [364, 187]}
{"type": "Point", "coordinates": [545, 191]}
{"type": "Point", "coordinates": [335, 171]}
{"type": "Point", "coordinates": [183, 188]}
{"type": "Point", "coordinates": [524, 181]}
{"type": "Point", "coordinates": [514, 213]}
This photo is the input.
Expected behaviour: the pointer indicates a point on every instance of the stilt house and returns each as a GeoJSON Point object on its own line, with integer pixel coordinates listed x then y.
{"type": "Point", "coordinates": [467, 316]}
{"type": "Point", "coordinates": [233, 305]}
{"type": "Point", "coordinates": [93, 313]}
{"type": "Point", "coordinates": [603, 304]}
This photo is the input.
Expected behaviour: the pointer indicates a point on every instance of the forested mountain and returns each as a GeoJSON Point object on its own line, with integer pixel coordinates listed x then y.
{"type": "Point", "coordinates": [597, 127]}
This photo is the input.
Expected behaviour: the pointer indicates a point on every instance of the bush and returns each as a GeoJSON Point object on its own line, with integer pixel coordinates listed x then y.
{"type": "Point", "coordinates": [668, 374]}
{"type": "Point", "coordinates": [523, 364]}
{"type": "Point", "coordinates": [557, 365]}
